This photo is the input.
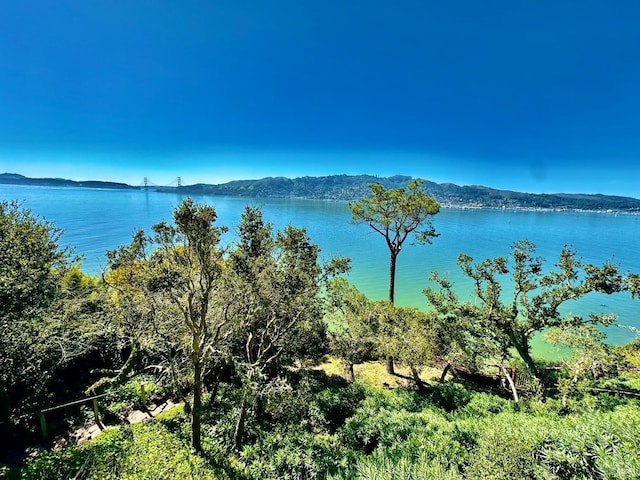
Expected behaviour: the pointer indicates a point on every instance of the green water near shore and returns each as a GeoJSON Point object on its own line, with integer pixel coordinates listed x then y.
{"type": "Point", "coordinates": [95, 221]}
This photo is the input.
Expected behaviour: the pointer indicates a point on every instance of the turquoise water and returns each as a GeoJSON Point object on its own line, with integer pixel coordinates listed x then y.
{"type": "Point", "coordinates": [95, 221]}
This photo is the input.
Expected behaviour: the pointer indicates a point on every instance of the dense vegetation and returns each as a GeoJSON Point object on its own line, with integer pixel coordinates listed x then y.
{"type": "Point", "coordinates": [276, 362]}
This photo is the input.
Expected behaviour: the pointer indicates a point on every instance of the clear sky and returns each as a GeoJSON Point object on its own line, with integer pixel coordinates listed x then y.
{"type": "Point", "coordinates": [538, 96]}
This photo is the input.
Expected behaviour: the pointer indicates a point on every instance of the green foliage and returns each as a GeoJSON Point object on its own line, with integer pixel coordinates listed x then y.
{"type": "Point", "coordinates": [331, 407]}
{"type": "Point", "coordinates": [138, 452]}
{"type": "Point", "coordinates": [395, 214]}
{"type": "Point", "coordinates": [506, 448]}
{"type": "Point", "coordinates": [449, 396]}
{"type": "Point", "coordinates": [98, 459]}
{"type": "Point", "coordinates": [297, 455]}
{"type": "Point", "coordinates": [589, 359]}
{"type": "Point", "coordinates": [507, 316]}
{"type": "Point", "coordinates": [631, 352]}
{"type": "Point", "coordinates": [50, 318]}
{"type": "Point", "coordinates": [395, 433]}
{"type": "Point", "coordinates": [175, 291]}
{"type": "Point", "coordinates": [399, 467]}
{"type": "Point", "coordinates": [129, 396]}
{"type": "Point", "coordinates": [485, 405]}
{"type": "Point", "coordinates": [31, 262]}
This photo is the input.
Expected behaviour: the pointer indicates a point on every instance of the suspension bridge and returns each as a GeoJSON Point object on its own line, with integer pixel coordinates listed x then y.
{"type": "Point", "coordinates": [147, 184]}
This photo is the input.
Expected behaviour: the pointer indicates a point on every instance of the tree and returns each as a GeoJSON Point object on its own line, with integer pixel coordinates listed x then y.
{"type": "Point", "coordinates": [140, 313]}
{"type": "Point", "coordinates": [273, 288]}
{"type": "Point", "coordinates": [188, 267]}
{"type": "Point", "coordinates": [355, 319]}
{"type": "Point", "coordinates": [32, 263]}
{"type": "Point", "coordinates": [395, 214]}
{"type": "Point", "coordinates": [180, 280]}
{"type": "Point", "coordinates": [32, 266]}
{"type": "Point", "coordinates": [407, 336]}
{"type": "Point", "coordinates": [365, 328]}
{"type": "Point", "coordinates": [589, 359]}
{"type": "Point", "coordinates": [509, 317]}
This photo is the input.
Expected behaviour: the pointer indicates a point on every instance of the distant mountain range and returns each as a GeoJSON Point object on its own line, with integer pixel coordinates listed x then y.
{"type": "Point", "coordinates": [16, 179]}
{"type": "Point", "coordinates": [350, 187]}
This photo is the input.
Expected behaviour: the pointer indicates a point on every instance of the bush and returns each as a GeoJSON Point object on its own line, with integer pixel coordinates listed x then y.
{"type": "Point", "coordinates": [396, 399]}
{"type": "Point", "coordinates": [507, 446]}
{"type": "Point", "coordinates": [449, 395]}
{"type": "Point", "coordinates": [142, 451]}
{"type": "Point", "coordinates": [97, 459]}
{"type": "Point", "coordinates": [331, 407]}
{"type": "Point", "coordinates": [128, 396]}
{"type": "Point", "coordinates": [484, 404]}
{"type": "Point", "coordinates": [378, 467]}
{"type": "Point", "coordinates": [297, 455]}
{"type": "Point", "coordinates": [427, 434]}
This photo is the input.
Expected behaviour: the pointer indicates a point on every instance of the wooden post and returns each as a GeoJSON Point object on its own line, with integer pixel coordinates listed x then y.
{"type": "Point", "coordinates": [95, 411]}
{"type": "Point", "coordinates": [143, 395]}
{"type": "Point", "coordinates": [43, 426]}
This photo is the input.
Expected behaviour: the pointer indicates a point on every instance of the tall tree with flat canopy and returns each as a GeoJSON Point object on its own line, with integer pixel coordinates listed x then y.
{"type": "Point", "coordinates": [396, 214]}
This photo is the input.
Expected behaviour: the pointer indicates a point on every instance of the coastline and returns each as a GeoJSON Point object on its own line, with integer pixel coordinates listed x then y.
{"type": "Point", "coordinates": [18, 180]}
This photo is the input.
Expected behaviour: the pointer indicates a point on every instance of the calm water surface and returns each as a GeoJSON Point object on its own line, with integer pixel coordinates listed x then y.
{"type": "Point", "coordinates": [95, 221]}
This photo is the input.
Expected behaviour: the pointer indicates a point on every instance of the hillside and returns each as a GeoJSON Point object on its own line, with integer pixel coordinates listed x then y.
{"type": "Point", "coordinates": [350, 187]}
{"type": "Point", "coordinates": [17, 179]}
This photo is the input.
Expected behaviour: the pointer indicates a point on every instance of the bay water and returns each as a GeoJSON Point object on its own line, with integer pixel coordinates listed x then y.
{"type": "Point", "coordinates": [97, 220]}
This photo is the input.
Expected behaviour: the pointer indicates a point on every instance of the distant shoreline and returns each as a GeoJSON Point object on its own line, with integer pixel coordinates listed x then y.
{"type": "Point", "coordinates": [348, 188]}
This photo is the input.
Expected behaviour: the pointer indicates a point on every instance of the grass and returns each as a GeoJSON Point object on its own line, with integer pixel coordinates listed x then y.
{"type": "Point", "coordinates": [375, 373]}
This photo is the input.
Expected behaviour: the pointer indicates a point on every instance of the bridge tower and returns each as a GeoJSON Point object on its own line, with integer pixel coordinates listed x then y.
{"type": "Point", "coordinates": [179, 181]}
{"type": "Point", "coordinates": [146, 182]}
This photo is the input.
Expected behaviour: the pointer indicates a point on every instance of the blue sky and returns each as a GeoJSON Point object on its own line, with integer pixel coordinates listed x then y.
{"type": "Point", "coordinates": [532, 96]}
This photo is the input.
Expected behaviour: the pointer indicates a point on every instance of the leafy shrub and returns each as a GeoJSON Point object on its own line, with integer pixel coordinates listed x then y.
{"type": "Point", "coordinates": [129, 396]}
{"type": "Point", "coordinates": [331, 407]}
{"type": "Point", "coordinates": [379, 467]}
{"type": "Point", "coordinates": [142, 451]}
{"type": "Point", "coordinates": [597, 445]}
{"type": "Point", "coordinates": [97, 459]}
{"type": "Point", "coordinates": [507, 446]}
{"type": "Point", "coordinates": [396, 399]}
{"type": "Point", "coordinates": [449, 395]}
{"type": "Point", "coordinates": [484, 404]}
{"type": "Point", "coordinates": [297, 455]}
{"type": "Point", "coordinates": [427, 434]}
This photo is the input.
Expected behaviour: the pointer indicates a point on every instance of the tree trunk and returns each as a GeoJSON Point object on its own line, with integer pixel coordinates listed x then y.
{"type": "Point", "coordinates": [352, 373]}
{"type": "Point", "coordinates": [390, 369]}
{"type": "Point", "coordinates": [512, 384]}
{"type": "Point", "coordinates": [444, 372]}
{"type": "Point", "coordinates": [392, 288]}
{"type": "Point", "coordinates": [196, 410]}
{"type": "Point", "coordinates": [523, 351]}
{"type": "Point", "coordinates": [392, 277]}
{"type": "Point", "coordinates": [416, 378]}
{"type": "Point", "coordinates": [239, 432]}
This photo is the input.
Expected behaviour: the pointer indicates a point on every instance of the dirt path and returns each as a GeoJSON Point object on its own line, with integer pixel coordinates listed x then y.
{"type": "Point", "coordinates": [86, 433]}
